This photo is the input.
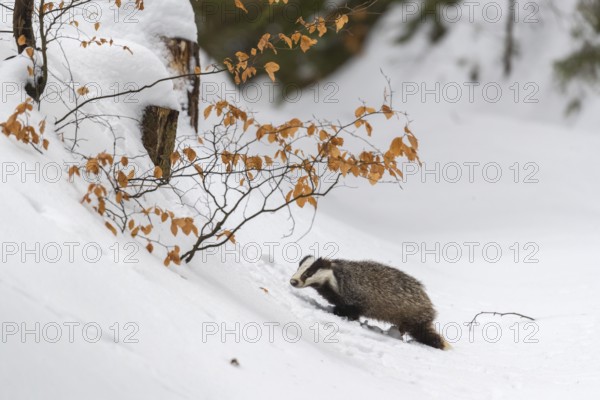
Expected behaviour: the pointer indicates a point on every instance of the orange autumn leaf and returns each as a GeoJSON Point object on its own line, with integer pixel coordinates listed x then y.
{"type": "Point", "coordinates": [271, 67]}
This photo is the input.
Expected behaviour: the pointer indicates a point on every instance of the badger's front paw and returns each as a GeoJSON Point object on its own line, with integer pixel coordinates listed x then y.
{"type": "Point", "coordinates": [350, 312]}
{"type": "Point", "coordinates": [338, 310]}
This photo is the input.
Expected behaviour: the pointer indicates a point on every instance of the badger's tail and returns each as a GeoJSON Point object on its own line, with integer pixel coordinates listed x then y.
{"type": "Point", "coordinates": [427, 334]}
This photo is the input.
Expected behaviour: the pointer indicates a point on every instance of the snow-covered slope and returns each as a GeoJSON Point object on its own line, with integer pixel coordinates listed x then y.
{"type": "Point", "coordinates": [174, 332]}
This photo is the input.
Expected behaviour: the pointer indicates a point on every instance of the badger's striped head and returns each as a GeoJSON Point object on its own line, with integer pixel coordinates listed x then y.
{"type": "Point", "coordinates": [313, 272]}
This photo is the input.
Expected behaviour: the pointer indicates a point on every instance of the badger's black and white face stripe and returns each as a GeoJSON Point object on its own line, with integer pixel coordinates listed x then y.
{"type": "Point", "coordinates": [314, 272]}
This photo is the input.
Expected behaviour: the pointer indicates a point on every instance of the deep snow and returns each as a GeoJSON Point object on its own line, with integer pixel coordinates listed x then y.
{"type": "Point", "coordinates": [173, 312]}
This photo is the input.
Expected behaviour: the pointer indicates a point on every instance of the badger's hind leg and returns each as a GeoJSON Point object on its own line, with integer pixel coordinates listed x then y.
{"type": "Point", "coordinates": [426, 334]}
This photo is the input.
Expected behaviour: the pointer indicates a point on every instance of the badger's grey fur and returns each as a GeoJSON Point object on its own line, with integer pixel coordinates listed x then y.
{"type": "Point", "coordinates": [372, 290]}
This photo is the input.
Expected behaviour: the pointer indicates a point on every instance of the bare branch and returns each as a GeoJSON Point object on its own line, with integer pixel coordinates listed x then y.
{"type": "Point", "coordinates": [494, 313]}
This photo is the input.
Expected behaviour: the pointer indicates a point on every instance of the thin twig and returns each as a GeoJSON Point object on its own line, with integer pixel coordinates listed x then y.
{"type": "Point", "coordinates": [151, 85]}
{"type": "Point", "coordinates": [493, 313]}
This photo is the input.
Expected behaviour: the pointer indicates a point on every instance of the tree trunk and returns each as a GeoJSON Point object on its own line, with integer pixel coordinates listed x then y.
{"type": "Point", "coordinates": [509, 42]}
{"type": "Point", "coordinates": [159, 129]}
{"type": "Point", "coordinates": [23, 28]}
{"type": "Point", "coordinates": [23, 24]}
{"type": "Point", "coordinates": [185, 58]}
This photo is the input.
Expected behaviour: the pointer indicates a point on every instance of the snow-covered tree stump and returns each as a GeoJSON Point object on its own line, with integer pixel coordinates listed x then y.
{"type": "Point", "coordinates": [185, 58]}
{"type": "Point", "coordinates": [159, 129]}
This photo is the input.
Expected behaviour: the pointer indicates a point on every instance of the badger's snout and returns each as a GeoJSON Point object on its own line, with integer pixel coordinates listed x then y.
{"type": "Point", "coordinates": [294, 282]}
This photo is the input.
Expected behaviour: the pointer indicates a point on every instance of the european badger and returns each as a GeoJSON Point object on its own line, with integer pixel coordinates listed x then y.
{"type": "Point", "coordinates": [372, 290]}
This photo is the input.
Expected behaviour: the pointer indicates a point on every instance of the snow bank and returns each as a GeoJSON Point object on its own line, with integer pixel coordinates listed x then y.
{"type": "Point", "coordinates": [171, 322]}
